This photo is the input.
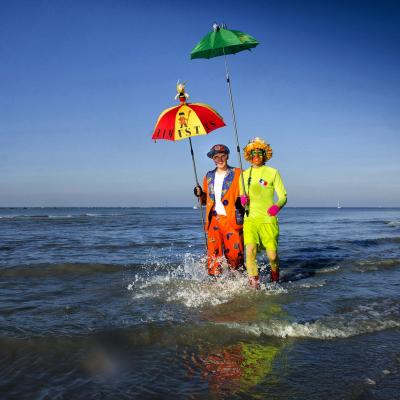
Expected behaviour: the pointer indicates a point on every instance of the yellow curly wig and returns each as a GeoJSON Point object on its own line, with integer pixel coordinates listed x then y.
{"type": "Point", "coordinates": [259, 144]}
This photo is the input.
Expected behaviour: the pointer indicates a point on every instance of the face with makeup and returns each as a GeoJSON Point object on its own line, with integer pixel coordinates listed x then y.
{"type": "Point", "coordinates": [257, 157]}
{"type": "Point", "coordinates": [221, 160]}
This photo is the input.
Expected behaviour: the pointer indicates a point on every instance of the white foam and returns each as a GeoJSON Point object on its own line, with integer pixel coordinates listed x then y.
{"type": "Point", "coordinates": [328, 270]}
{"type": "Point", "coordinates": [192, 268]}
{"type": "Point", "coordinates": [208, 293]}
{"type": "Point", "coordinates": [362, 319]}
{"type": "Point", "coordinates": [190, 285]}
{"type": "Point", "coordinates": [308, 285]}
{"type": "Point", "coordinates": [274, 288]}
{"type": "Point", "coordinates": [375, 265]}
{"type": "Point", "coordinates": [394, 223]}
{"type": "Point", "coordinates": [317, 330]}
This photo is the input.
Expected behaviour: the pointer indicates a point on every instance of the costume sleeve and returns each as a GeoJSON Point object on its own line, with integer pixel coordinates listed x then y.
{"type": "Point", "coordinates": [280, 191]}
{"type": "Point", "coordinates": [205, 190]}
{"type": "Point", "coordinates": [241, 191]}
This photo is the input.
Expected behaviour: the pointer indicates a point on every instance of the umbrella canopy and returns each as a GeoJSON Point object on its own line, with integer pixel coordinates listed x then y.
{"type": "Point", "coordinates": [222, 42]}
{"type": "Point", "coordinates": [186, 121]}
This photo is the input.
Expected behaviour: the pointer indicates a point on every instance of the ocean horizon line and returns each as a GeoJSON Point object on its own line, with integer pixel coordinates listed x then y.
{"type": "Point", "coordinates": [174, 207]}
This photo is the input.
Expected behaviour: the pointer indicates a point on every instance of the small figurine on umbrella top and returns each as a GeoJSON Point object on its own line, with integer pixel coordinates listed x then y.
{"type": "Point", "coordinates": [182, 95]}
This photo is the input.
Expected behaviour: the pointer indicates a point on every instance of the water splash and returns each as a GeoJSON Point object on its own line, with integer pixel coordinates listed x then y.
{"type": "Point", "coordinates": [189, 284]}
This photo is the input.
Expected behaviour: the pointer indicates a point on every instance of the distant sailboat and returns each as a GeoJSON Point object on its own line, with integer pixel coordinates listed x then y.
{"type": "Point", "coordinates": [338, 204]}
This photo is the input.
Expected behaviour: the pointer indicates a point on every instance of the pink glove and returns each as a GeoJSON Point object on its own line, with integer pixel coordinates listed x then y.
{"type": "Point", "coordinates": [273, 210]}
{"type": "Point", "coordinates": [244, 200]}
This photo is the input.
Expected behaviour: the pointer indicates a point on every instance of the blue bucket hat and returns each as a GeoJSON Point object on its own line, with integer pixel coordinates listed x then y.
{"type": "Point", "coordinates": [217, 148]}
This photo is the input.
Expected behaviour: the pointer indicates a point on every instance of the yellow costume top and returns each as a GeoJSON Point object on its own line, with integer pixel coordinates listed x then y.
{"type": "Point", "coordinates": [261, 183]}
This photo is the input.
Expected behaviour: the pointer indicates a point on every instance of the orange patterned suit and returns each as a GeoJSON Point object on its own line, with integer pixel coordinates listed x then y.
{"type": "Point", "coordinates": [225, 233]}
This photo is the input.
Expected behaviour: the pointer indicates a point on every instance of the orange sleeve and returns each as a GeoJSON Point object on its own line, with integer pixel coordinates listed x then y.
{"type": "Point", "coordinates": [205, 190]}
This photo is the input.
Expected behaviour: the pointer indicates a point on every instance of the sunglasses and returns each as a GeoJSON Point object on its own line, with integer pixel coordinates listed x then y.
{"type": "Point", "coordinates": [257, 153]}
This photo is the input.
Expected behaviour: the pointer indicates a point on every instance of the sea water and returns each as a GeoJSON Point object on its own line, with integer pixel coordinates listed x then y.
{"type": "Point", "coordinates": [115, 303]}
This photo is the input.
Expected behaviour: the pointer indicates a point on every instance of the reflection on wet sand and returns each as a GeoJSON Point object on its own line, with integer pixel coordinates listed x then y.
{"type": "Point", "coordinates": [239, 366]}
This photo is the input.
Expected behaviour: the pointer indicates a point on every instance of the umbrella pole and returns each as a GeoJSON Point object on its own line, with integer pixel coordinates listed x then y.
{"type": "Point", "coordinates": [228, 80]}
{"type": "Point", "coordinates": [199, 199]}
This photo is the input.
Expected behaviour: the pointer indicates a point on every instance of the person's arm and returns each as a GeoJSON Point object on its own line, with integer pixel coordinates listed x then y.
{"type": "Point", "coordinates": [280, 191]}
{"type": "Point", "coordinates": [205, 190]}
{"type": "Point", "coordinates": [282, 196]}
{"type": "Point", "coordinates": [244, 198]}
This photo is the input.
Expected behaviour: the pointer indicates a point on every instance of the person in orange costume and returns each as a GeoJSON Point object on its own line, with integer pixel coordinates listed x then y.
{"type": "Point", "coordinates": [224, 212]}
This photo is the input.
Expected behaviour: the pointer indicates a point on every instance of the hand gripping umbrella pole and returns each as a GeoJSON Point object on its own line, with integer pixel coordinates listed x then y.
{"type": "Point", "coordinates": [199, 198]}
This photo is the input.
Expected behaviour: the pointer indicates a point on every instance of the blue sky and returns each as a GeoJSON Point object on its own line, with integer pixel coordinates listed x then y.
{"type": "Point", "coordinates": [83, 82]}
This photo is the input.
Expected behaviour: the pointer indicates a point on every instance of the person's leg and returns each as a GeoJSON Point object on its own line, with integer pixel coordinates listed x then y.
{"type": "Point", "coordinates": [251, 241]}
{"type": "Point", "coordinates": [214, 248]}
{"type": "Point", "coordinates": [269, 237]}
{"type": "Point", "coordinates": [274, 264]}
{"type": "Point", "coordinates": [233, 245]}
{"type": "Point", "coordinates": [251, 265]}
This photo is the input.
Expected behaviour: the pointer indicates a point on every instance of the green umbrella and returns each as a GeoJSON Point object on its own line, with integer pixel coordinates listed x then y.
{"type": "Point", "coordinates": [220, 42]}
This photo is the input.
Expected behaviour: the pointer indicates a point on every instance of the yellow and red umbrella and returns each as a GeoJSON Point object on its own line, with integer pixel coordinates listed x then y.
{"type": "Point", "coordinates": [185, 121]}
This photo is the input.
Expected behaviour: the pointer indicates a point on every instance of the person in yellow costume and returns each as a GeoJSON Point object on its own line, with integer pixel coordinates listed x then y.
{"type": "Point", "coordinates": [260, 226]}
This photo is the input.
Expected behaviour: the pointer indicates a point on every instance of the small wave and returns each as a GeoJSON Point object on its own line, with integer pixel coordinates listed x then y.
{"type": "Point", "coordinates": [362, 319]}
{"type": "Point", "coordinates": [55, 216]}
{"type": "Point", "coordinates": [316, 330]}
{"type": "Point", "coordinates": [35, 217]}
{"type": "Point", "coordinates": [309, 285]}
{"type": "Point", "coordinates": [6, 248]}
{"type": "Point", "coordinates": [49, 270]}
{"type": "Point", "coordinates": [312, 264]}
{"type": "Point", "coordinates": [133, 245]}
{"type": "Point", "coordinates": [376, 241]}
{"type": "Point", "coordinates": [374, 265]}
{"type": "Point", "coordinates": [296, 269]}
{"type": "Point", "coordinates": [22, 216]}
{"type": "Point", "coordinates": [393, 223]}
{"type": "Point", "coordinates": [328, 270]}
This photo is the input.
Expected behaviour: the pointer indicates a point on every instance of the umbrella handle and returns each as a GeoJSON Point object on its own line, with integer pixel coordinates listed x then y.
{"type": "Point", "coordinates": [199, 198]}
{"type": "Point", "coordinates": [228, 81]}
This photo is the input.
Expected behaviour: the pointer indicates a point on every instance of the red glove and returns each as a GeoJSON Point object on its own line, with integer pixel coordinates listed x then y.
{"type": "Point", "coordinates": [273, 210]}
{"type": "Point", "coordinates": [244, 200]}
